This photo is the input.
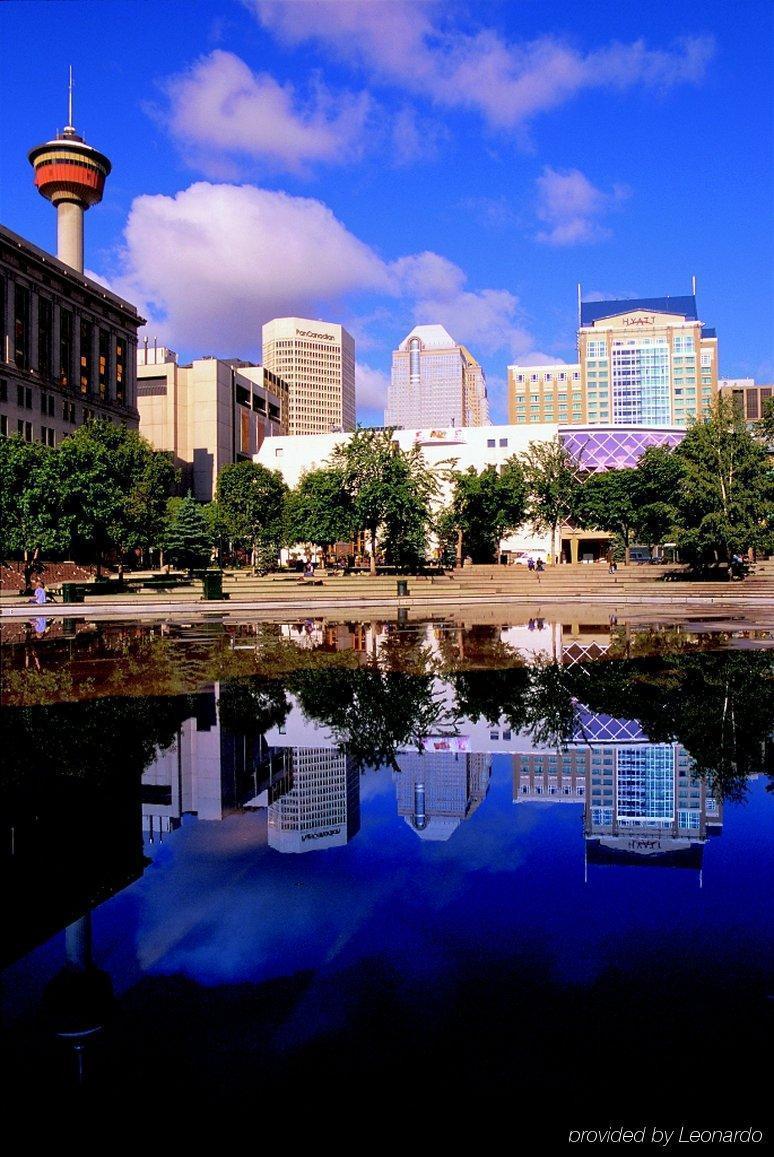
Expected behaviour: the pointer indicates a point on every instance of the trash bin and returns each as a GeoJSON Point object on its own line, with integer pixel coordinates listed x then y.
{"type": "Point", "coordinates": [402, 588]}
{"type": "Point", "coordinates": [71, 593]}
{"type": "Point", "coordinates": [212, 585]}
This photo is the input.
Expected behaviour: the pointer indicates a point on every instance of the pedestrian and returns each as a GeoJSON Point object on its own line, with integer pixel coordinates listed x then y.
{"type": "Point", "coordinates": [540, 565]}
{"type": "Point", "coordinates": [39, 594]}
{"type": "Point", "coordinates": [531, 563]}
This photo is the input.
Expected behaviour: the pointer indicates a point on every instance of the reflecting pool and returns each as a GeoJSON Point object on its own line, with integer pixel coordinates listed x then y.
{"type": "Point", "coordinates": [519, 870]}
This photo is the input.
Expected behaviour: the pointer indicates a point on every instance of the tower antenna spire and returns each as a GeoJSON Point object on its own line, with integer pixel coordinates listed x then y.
{"type": "Point", "coordinates": [70, 122]}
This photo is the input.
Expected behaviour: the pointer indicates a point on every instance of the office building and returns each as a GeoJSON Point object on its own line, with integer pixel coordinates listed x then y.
{"type": "Point", "coordinates": [747, 396]}
{"type": "Point", "coordinates": [67, 347]}
{"type": "Point", "coordinates": [437, 790]}
{"type": "Point", "coordinates": [641, 362]}
{"type": "Point", "coordinates": [322, 808]}
{"type": "Point", "coordinates": [207, 414]}
{"type": "Point", "coordinates": [317, 360]}
{"type": "Point", "coordinates": [435, 382]}
{"type": "Point", "coordinates": [549, 393]}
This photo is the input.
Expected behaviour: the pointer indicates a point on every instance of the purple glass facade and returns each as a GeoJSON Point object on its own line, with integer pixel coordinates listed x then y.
{"type": "Point", "coordinates": [598, 448]}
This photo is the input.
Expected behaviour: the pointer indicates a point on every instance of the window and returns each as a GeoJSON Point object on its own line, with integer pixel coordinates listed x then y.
{"type": "Point", "coordinates": [562, 377]}
{"type": "Point", "coordinates": [21, 327]}
{"type": "Point", "coordinates": [533, 377]}
{"type": "Point", "coordinates": [103, 365]}
{"type": "Point", "coordinates": [278, 453]}
{"type": "Point", "coordinates": [120, 370]}
{"type": "Point", "coordinates": [45, 334]}
{"type": "Point", "coordinates": [3, 390]}
{"type": "Point", "coordinates": [47, 402]}
{"type": "Point", "coordinates": [24, 429]}
{"type": "Point", "coordinates": [490, 442]}
{"type": "Point", "coordinates": [549, 377]}
{"type": "Point", "coordinates": [47, 435]}
{"type": "Point", "coordinates": [3, 426]}
{"type": "Point", "coordinates": [88, 415]}
{"type": "Point", "coordinates": [68, 411]}
{"type": "Point", "coordinates": [24, 397]}
{"type": "Point", "coordinates": [65, 347]}
{"type": "Point", "coordinates": [87, 330]}
{"type": "Point", "coordinates": [503, 441]}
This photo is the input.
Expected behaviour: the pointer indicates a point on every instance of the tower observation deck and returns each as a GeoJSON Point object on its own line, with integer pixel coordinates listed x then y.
{"type": "Point", "coordinates": [70, 174]}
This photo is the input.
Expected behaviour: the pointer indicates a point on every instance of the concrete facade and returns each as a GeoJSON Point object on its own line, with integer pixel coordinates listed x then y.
{"type": "Point", "coordinates": [317, 360]}
{"type": "Point", "coordinates": [67, 347]}
{"type": "Point", "coordinates": [207, 414]}
{"type": "Point", "coordinates": [747, 395]}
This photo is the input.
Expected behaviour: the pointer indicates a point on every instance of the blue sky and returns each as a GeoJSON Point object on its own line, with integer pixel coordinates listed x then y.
{"type": "Point", "coordinates": [388, 162]}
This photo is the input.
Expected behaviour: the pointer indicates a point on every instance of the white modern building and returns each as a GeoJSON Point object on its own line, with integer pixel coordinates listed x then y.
{"type": "Point", "coordinates": [435, 382]}
{"type": "Point", "coordinates": [317, 360]}
{"type": "Point", "coordinates": [460, 447]}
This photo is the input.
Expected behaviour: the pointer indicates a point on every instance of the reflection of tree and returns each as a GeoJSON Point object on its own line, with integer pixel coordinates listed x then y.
{"type": "Point", "coordinates": [92, 740]}
{"type": "Point", "coordinates": [372, 713]}
{"type": "Point", "coordinates": [252, 706]}
{"type": "Point", "coordinates": [537, 700]}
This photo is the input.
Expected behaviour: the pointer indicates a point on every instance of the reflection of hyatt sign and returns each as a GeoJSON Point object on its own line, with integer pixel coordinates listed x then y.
{"type": "Point", "coordinates": [650, 320]}
{"type": "Point", "coordinates": [319, 835]}
{"type": "Point", "coordinates": [311, 333]}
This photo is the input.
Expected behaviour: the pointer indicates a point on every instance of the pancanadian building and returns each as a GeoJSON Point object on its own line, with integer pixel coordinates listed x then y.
{"type": "Point", "coordinates": [317, 360]}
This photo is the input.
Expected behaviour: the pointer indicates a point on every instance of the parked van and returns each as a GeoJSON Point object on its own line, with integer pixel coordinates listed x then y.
{"type": "Point", "coordinates": [639, 554]}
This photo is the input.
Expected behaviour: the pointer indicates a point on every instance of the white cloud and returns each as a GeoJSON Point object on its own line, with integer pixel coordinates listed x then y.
{"type": "Point", "coordinates": [415, 46]}
{"type": "Point", "coordinates": [221, 107]}
{"type": "Point", "coordinates": [371, 386]}
{"type": "Point", "coordinates": [570, 207]}
{"type": "Point", "coordinates": [210, 265]}
{"type": "Point", "coordinates": [216, 261]}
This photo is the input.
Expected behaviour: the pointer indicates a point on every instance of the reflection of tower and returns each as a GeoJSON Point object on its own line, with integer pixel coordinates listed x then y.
{"type": "Point", "coordinates": [70, 174]}
{"type": "Point", "coordinates": [322, 809]}
{"type": "Point", "coordinates": [436, 791]}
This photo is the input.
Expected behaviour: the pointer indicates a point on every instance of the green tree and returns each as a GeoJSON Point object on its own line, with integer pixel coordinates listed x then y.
{"type": "Point", "coordinates": [319, 510]}
{"type": "Point", "coordinates": [764, 429]}
{"type": "Point", "coordinates": [659, 473]}
{"type": "Point", "coordinates": [610, 501]}
{"type": "Point", "coordinates": [391, 491]}
{"type": "Point", "coordinates": [27, 527]}
{"type": "Point", "coordinates": [725, 500]}
{"type": "Point", "coordinates": [252, 502]}
{"type": "Point", "coordinates": [485, 506]}
{"type": "Point", "coordinates": [106, 489]}
{"type": "Point", "coordinates": [187, 542]}
{"type": "Point", "coordinates": [550, 474]}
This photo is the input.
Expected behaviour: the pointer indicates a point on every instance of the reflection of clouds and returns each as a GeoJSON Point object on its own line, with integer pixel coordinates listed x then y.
{"type": "Point", "coordinates": [224, 910]}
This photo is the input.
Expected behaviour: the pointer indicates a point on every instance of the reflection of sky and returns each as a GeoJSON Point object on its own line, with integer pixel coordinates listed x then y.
{"type": "Point", "coordinates": [218, 906]}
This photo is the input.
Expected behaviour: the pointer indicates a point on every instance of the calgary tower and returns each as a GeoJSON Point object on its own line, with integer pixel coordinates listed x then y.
{"type": "Point", "coordinates": [70, 174]}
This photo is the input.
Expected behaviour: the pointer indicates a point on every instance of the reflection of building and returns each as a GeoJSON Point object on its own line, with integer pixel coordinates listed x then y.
{"type": "Point", "coordinates": [208, 414]}
{"type": "Point", "coordinates": [317, 360]}
{"type": "Point", "coordinates": [642, 804]}
{"type": "Point", "coordinates": [209, 771]}
{"type": "Point", "coordinates": [436, 791]}
{"type": "Point", "coordinates": [435, 382]}
{"type": "Point", "coordinates": [322, 808]}
{"type": "Point", "coordinates": [645, 806]}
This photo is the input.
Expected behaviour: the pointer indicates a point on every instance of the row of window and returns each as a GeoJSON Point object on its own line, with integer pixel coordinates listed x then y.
{"type": "Point", "coordinates": [100, 369]}
{"type": "Point", "coordinates": [46, 434]}
{"type": "Point", "coordinates": [549, 377]}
